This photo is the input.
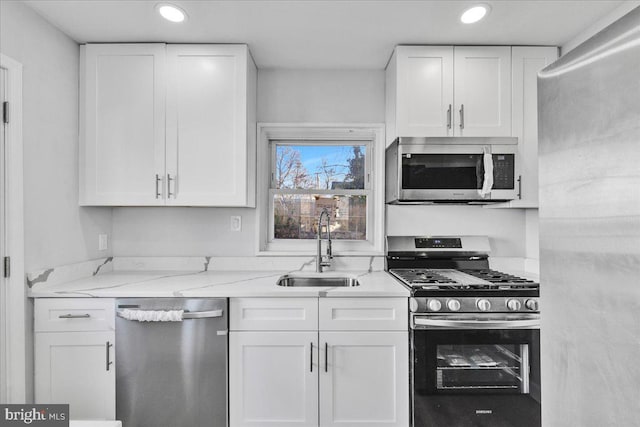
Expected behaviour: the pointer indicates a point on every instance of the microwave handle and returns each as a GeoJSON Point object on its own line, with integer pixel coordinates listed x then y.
{"type": "Point", "coordinates": [487, 183]}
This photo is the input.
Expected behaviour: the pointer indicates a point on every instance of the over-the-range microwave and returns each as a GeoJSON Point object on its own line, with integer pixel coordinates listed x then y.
{"type": "Point", "coordinates": [463, 169]}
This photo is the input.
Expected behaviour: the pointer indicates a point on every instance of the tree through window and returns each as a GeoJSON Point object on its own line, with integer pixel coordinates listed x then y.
{"type": "Point", "coordinates": [310, 177]}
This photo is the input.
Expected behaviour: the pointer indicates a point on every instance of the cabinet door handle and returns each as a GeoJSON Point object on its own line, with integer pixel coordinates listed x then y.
{"type": "Point", "coordinates": [158, 181]}
{"type": "Point", "coordinates": [169, 181]}
{"type": "Point", "coordinates": [326, 357]}
{"type": "Point", "coordinates": [74, 316]}
{"type": "Point", "coordinates": [449, 117]}
{"type": "Point", "coordinates": [461, 116]}
{"type": "Point", "coordinates": [108, 348]}
{"type": "Point", "coordinates": [520, 187]}
{"type": "Point", "coordinates": [311, 357]}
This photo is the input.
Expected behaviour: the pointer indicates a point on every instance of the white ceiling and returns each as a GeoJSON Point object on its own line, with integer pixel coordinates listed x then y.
{"type": "Point", "coordinates": [337, 34]}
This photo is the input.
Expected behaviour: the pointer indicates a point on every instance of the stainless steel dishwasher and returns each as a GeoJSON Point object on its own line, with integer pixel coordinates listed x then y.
{"type": "Point", "coordinates": [171, 374]}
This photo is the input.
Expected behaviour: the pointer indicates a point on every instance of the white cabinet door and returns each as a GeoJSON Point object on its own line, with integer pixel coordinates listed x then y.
{"type": "Point", "coordinates": [424, 91]}
{"type": "Point", "coordinates": [210, 156]}
{"type": "Point", "coordinates": [364, 379]}
{"type": "Point", "coordinates": [482, 91]}
{"type": "Point", "coordinates": [71, 367]}
{"type": "Point", "coordinates": [526, 63]}
{"type": "Point", "coordinates": [273, 379]}
{"type": "Point", "coordinates": [122, 124]}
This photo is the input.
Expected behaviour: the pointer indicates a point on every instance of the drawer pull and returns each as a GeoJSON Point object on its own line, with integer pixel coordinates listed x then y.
{"type": "Point", "coordinates": [74, 316]}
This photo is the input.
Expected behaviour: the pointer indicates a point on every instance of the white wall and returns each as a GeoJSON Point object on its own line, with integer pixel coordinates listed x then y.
{"type": "Point", "coordinates": [599, 25]}
{"type": "Point", "coordinates": [505, 227]}
{"type": "Point", "coordinates": [283, 96]}
{"type": "Point", "coordinates": [57, 231]}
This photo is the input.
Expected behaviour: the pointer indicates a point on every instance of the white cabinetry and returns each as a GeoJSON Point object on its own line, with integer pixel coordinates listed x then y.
{"type": "Point", "coordinates": [449, 91]}
{"type": "Point", "coordinates": [359, 368]}
{"type": "Point", "coordinates": [527, 61]}
{"type": "Point", "coordinates": [482, 88]}
{"type": "Point", "coordinates": [122, 129]}
{"type": "Point", "coordinates": [167, 125]}
{"type": "Point", "coordinates": [273, 378]}
{"type": "Point", "coordinates": [75, 356]}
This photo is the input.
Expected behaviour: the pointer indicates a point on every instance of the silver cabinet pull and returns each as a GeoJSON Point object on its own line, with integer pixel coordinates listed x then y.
{"type": "Point", "coordinates": [108, 347]}
{"type": "Point", "coordinates": [461, 116]}
{"type": "Point", "coordinates": [449, 117]}
{"type": "Point", "coordinates": [169, 181]}
{"type": "Point", "coordinates": [520, 187]}
{"type": "Point", "coordinates": [74, 316]}
{"type": "Point", "coordinates": [326, 357]}
{"type": "Point", "coordinates": [311, 357]}
{"type": "Point", "coordinates": [158, 181]}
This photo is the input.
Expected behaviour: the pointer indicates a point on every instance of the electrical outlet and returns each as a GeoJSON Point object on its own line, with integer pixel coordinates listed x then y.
{"type": "Point", "coordinates": [103, 242]}
{"type": "Point", "coordinates": [236, 223]}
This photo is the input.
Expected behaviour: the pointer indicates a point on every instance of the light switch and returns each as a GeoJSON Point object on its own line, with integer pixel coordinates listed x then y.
{"type": "Point", "coordinates": [103, 242]}
{"type": "Point", "coordinates": [236, 223]}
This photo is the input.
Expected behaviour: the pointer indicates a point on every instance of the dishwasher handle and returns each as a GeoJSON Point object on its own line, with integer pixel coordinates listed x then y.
{"type": "Point", "coordinates": [190, 314]}
{"type": "Point", "coordinates": [202, 314]}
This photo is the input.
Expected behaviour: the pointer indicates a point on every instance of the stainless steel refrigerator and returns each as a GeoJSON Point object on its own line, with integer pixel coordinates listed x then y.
{"type": "Point", "coordinates": [589, 129]}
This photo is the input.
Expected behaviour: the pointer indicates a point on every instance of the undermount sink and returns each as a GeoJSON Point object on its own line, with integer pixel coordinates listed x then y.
{"type": "Point", "coordinates": [315, 281]}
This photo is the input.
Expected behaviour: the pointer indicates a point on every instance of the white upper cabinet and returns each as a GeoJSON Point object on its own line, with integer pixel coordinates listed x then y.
{"type": "Point", "coordinates": [122, 129]}
{"type": "Point", "coordinates": [168, 125]}
{"type": "Point", "coordinates": [209, 162]}
{"type": "Point", "coordinates": [527, 61]}
{"type": "Point", "coordinates": [448, 91]}
{"type": "Point", "coordinates": [482, 90]}
{"type": "Point", "coordinates": [424, 90]}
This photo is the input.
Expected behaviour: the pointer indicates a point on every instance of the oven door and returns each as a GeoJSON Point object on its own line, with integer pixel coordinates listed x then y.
{"type": "Point", "coordinates": [476, 370]}
{"type": "Point", "coordinates": [456, 172]}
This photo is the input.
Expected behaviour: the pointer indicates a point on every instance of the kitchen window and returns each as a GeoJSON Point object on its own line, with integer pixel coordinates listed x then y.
{"type": "Point", "coordinates": [306, 174]}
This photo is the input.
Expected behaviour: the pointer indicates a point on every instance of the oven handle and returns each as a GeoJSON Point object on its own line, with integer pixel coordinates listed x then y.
{"type": "Point", "coordinates": [419, 322]}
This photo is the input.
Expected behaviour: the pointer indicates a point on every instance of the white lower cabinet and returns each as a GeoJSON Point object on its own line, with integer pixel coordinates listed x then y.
{"type": "Point", "coordinates": [320, 378]}
{"type": "Point", "coordinates": [273, 380]}
{"type": "Point", "coordinates": [364, 382]}
{"type": "Point", "coordinates": [75, 356]}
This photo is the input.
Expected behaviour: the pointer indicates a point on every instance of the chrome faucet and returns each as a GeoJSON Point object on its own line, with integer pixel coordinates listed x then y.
{"type": "Point", "coordinates": [324, 260]}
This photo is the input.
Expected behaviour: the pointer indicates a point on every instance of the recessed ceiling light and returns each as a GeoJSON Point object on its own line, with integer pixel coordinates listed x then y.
{"type": "Point", "coordinates": [171, 12]}
{"type": "Point", "coordinates": [475, 13]}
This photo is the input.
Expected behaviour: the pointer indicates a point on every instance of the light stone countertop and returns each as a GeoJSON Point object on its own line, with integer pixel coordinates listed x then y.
{"type": "Point", "coordinates": [203, 284]}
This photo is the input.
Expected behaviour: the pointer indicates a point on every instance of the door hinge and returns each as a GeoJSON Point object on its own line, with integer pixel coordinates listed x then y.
{"type": "Point", "coordinates": [5, 112]}
{"type": "Point", "coordinates": [7, 266]}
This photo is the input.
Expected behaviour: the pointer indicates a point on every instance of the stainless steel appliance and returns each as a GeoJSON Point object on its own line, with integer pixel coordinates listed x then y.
{"type": "Point", "coordinates": [474, 334]}
{"type": "Point", "coordinates": [452, 170]}
{"type": "Point", "coordinates": [589, 128]}
{"type": "Point", "coordinates": [172, 373]}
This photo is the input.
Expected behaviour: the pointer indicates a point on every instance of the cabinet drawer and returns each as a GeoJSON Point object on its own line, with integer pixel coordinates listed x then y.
{"type": "Point", "coordinates": [363, 314]}
{"type": "Point", "coordinates": [273, 314]}
{"type": "Point", "coordinates": [74, 314]}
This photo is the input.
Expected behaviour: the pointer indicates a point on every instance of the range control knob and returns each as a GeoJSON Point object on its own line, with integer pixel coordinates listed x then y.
{"type": "Point", "coordinates": [513, 304]}
{"type": "Point", "coordinates": [483, 305]}
{"type": "Point", "coordinates": [434, 305]}
{"type": "Point", "coordinates": [453, 305]}
{"type": "Point", "coordinates": [531, 304]}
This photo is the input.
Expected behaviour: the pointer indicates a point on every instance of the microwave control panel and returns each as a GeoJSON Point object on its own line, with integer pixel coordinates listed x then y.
{"type": "Point", "coordinates": [503, 171]}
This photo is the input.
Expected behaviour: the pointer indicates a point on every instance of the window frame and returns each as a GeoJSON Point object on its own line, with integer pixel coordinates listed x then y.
{"type": "Point", "coordinates": [369, 135]}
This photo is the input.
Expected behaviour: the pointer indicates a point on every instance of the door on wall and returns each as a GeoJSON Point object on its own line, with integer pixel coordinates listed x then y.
{"type": "Point", "coordinates": [3, 242]}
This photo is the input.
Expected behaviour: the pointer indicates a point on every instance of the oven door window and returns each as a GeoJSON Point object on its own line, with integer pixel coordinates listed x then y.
{"type": "Point", "coordinates": [483, 367]}
{"type": "Point", "coordinates": [478, 377]}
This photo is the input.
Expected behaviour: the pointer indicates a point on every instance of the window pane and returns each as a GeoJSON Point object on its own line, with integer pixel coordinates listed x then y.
{"type": "Point", "coordinates": [326, 167]}
{"type": "Point", "coordinates": [296, 216]}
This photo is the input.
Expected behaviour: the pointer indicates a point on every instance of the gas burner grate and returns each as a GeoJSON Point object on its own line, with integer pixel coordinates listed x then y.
{"type": "Point", "coordinates": [497, 277]}
{"type": "Point", "coordinates": [420, 277]}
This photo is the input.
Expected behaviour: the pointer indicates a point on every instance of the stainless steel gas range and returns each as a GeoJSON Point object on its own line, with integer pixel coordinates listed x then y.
{"type": "Point", "coordinates": [475, 334]}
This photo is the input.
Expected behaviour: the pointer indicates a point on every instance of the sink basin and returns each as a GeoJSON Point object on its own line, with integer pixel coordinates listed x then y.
{"type": "Point", "coordinates": [315, 281]}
